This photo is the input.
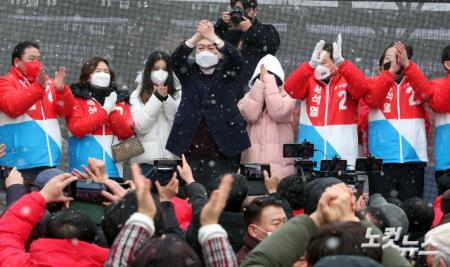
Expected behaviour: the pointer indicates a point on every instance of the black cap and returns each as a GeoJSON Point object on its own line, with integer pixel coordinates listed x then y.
{"type": "Point", "coordinates": [245, 3]}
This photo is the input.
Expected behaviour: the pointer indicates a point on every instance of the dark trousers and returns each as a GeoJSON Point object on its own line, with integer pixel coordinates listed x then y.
{"type": "Point", "coordinates": [402, 181]}
{"type": "Point", "coordinates": [206, 171]}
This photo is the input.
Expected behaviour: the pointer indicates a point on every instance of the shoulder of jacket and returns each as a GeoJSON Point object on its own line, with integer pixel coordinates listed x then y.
{"type": "Point", "coordinates": [80, 90]}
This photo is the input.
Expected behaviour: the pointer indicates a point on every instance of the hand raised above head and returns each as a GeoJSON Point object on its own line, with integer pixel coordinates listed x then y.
{"type": "Point", "coordinates": [218, 200]}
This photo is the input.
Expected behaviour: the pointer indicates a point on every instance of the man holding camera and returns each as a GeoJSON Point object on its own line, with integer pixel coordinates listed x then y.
{"type": "Point", "coordinates": [254, 39]}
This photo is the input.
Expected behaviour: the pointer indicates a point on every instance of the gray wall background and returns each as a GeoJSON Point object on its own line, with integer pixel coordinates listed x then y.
{"type": "Point", "coordinates": [125, 32]}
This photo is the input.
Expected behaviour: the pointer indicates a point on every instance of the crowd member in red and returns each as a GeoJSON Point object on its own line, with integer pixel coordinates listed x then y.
{"type": "Point", "coordinates": [329, 88]}
{"type": "Point", "coordinates": [101, 117]}
{"type": "Point", "coordinates": [397, 125]}
{"type": "Point", "coordinates": [70, 233]}
{"type": "Point", "coordinates": [30, 103]}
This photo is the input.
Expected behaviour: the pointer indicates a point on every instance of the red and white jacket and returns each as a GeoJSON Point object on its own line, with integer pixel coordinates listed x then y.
{"type": "Point", "coordinates": [93, 131]}
{"type": "Point", "coordinates": [329, 112]}
{"type": "Point", "coordinates": [397, 118]}
{"type": "Point", "coordinates": [439, 103]}
{"type": "Point", "coordinates": [29, 121]}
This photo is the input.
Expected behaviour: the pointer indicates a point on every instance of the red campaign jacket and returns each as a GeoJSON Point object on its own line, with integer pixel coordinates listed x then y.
{"type": "Point", "coordinates": [93, 131]}
{"type": "Point", "coordinates": [88, 117]}
{"type": "Point", "coordinates": [28, 121]}
{"type": "Point", "coordinates": [397, 120]}
{"type": "Point", "coordinates": [16, 225]}
{"type": "Point", "coordinates": [18, 97]}
{"type": "Point", "coordinates": [348, 87]}
{"type": "Point", "coordinates": [441, 94]}
{"type": "Point", "coordinates": [329, 113]}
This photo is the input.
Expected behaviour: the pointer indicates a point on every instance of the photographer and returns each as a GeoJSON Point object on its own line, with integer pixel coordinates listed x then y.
{"type": "Point", "coordinates": [254, 39]}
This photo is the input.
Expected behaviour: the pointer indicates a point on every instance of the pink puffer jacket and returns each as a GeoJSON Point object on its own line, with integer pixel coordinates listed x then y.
{"type": "Point", "coordinates": [268, 111]}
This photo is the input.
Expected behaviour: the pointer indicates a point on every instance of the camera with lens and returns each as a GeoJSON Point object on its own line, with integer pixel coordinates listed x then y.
{"type": "Point", "coordinates": [301, 153]}
{"type": "Point", "coordinates": [236, 15]}
{"type": "Point", "coordinates": [163, 171]}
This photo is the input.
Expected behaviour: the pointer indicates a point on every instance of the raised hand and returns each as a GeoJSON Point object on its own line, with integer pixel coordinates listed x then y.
{"type": "Point", "coordinates": [110, 102]}
{"type": "Point", "coordinates": [402, 55]}
{"type": "Point", "coordinates": [53, 190]}
{"type": "Point", "coordinates": [315, 58]}
{"type": "Point", "coordinates": [271, 182]}
{"type": "Point", "coordinates": [146, 205]}
{"type": "Point", "coordinates": [218, 200]}
{"type": "Point", "coordinates": [167, 192]}
{"type": "Point", "coordinates": [41, 78]}
{"type": "Point", "coordinates": [245, 24]}
{"type": "Point", "coordinates": [337, 51]}
{"type": "Point", "coordinates": [206, 29]}
{"type": "Point", "coordinates": [161, 89]}
{"type": "Point", "coordinates": [60, 78]}
{"type": "Point", "coordinates": [337, 204]}
{"type": "Point", "coordinates": [117, 192]}
{"type": "Point", "coordinates": [185, 171]}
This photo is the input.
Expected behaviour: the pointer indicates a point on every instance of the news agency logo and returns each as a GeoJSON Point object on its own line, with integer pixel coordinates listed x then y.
{"type": "Point", "coordinates": [392, 236]}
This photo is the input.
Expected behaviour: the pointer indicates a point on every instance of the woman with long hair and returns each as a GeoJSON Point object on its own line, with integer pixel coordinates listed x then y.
{"type": "Point", "coordinates": [101, 117]}
{"type": "Point", "coordinates": [154, 104]}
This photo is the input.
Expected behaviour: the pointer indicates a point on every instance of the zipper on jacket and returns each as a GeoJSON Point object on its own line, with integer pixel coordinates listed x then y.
{"type": "Point", "coordinates": [50, 158]}
{"type": "Point", "coordinates": [326, 116]}
{"type": "Point", "coordinates": [46, 135]}
{"type": "Point", "coordinates": [103, 147]}
{"type": "Point", "coordinates": [398, 121]}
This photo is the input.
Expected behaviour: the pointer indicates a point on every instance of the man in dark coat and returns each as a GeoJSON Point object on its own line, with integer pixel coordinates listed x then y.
{"type": "Point", "coordinates": [208, 127]}
{"type": "Point", "coordinates": [253, 38]}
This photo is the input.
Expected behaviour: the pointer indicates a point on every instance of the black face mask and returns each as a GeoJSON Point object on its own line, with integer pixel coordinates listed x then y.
{"type": "Point", "coordinates": [387, 66]}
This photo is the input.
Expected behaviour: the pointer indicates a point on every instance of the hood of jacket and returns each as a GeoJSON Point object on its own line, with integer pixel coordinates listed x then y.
{"type": "Point", "coordinates": [272, 64]}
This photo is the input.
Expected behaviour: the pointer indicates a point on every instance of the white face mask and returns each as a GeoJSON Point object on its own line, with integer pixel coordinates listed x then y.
{"type": "Point", "coordinates": [206, 59]}
{"type": "Point", "coordinates": [159, 76]}
{"type": "Point", "coordinates": [264, 231]}
{"type": "Point", "coordinates": [101, 79]}
{"type": "Point", "coordinates": [322, 73]}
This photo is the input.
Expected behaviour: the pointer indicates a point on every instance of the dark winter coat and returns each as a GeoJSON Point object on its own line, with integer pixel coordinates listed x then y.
{"type": "Point", "coordinates": [212, 98]}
